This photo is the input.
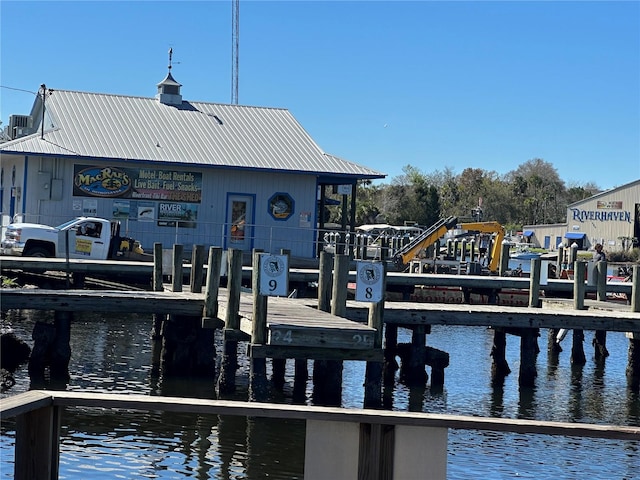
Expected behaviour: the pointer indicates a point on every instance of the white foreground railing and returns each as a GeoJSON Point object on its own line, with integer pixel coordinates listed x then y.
{"type": "Point", "coordinates": [340, 443]}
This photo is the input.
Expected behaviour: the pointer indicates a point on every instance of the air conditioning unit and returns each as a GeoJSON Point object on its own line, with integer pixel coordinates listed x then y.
{"type": "Point", "coordinates": [20, 125]}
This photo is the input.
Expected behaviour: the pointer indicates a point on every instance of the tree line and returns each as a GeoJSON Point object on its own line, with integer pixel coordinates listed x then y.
{"type": "Point", "coordinates": [532, 194]}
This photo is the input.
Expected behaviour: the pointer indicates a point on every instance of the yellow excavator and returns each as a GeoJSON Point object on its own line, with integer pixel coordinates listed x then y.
{"type": "Point", "coordinates": [488, 227]}
{"type": "Point", "coordinates": [430, 236]}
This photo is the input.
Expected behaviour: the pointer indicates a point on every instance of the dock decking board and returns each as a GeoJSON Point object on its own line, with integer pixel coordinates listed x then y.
{"type": "Point", "coordinates": [304, 313]}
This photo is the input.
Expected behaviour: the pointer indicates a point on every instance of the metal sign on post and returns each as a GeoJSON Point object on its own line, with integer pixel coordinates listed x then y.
{"type": "Point", "coordinates": [544, 272]}
{"type": "Point", "coordinates": [369, 281]}
{"type": "Point", "coordinates": [274, 275]}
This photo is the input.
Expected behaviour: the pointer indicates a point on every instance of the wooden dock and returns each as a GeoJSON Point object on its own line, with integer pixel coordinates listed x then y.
{"type": "Point", "coordinates": [281, 328]}
{"type": "Point", "coordinates": [300, 275]}
{"type": "Point", "coordinates": [302, 314]}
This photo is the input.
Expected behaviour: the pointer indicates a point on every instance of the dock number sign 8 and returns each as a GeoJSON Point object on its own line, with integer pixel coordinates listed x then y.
{"type": "Point", "coordinates": [274, 275]}
{"type": "Point", "coordinates": [369, 282]}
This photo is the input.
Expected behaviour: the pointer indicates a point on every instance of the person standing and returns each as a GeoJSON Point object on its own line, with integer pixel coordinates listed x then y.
{"type": "Point", "coordinates": [599, 256]}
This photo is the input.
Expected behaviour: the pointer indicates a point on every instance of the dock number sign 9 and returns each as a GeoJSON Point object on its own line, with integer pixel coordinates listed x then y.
{"type": "Point", "coordinates": [369, 281]}
{"type": "Point", "coordinates": [274, 275]}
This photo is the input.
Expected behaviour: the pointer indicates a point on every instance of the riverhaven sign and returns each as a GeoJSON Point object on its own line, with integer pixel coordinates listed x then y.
{"type": "Point", "coordinates": [600, 216]}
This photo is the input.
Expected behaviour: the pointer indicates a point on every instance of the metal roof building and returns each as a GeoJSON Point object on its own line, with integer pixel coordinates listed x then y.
{"type": "Point", "coordinates": [611, 218]}
{"type": "Point", "coordinates": [218, 162]}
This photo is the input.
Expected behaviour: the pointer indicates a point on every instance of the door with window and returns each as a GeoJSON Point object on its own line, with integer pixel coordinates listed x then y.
{"type": "Point", "coordinates": [239, 228]}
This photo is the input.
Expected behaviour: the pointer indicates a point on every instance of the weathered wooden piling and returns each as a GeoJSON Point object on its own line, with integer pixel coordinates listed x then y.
{"type": "Point", "coordinates": [412, 368]}
{"type": "Point", "coordinates": [499, 365]}
{"type": "Point", "coordinates": [157, 318]}
{"type": "Point", "coordinates": [373, 373]}
{"type": "Point", "coordinates": [197, 268]}
{"type": "Point", "coordinates": [258, 386]}
{"type": "Point", "coordinates": [61, 348]}
{"type": "Point", "coordinates": [528, 354]}
{"type": "Point", "coordinates": [325, 282]}
{"type": "Point", "coordinates": [278, 365]}
{"type": "Point", "coordinates": [577, 348]}
{"type": "Point", "coordinates": [633, 364]}
{"type": "Point", "coordinates": [327, 374]}
{"type": "Point", "coordinates": [212, 287]}
{"type": "Point", "coordinates": [600, 338]}
{"type": "Point", "coordinates": [227, 379]}
{"type": "Point", "coordinates": [529, 336]}
{"type": "Point", "coordinates": [51, 349]}
{"type": "Point", "coordinates": [504, 259]}
{"type": "Point", "coordinates": [187, 348]}
{"type": "Point", "coordinates": [176, 269]}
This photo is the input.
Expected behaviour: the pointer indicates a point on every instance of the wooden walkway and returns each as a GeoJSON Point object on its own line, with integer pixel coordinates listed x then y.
{"type": "Point", "coordinates": [411, 313]}
{"type": "Point", "coordinates": [297, 322]}
{"type": "Point", "coordinates": [300, 275]}
{"type": "Point", "coordinates": [296, 329]}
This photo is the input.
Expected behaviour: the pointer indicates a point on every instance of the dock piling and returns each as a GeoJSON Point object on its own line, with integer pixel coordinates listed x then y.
{"type": "Point", "coordinates": [258, 388]}
{"type": "Point", "coordinates": [600, 338]}
{"type": "Point", "coordinates": [227, 379]}
{"type": "Point", "coordinates": [577, 348]}
{"type": "Point", "coordinates": [327, 374]}
{"type": "Point", "coordinates": [633, 364]}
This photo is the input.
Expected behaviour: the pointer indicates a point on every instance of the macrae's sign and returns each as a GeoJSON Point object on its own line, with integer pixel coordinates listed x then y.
{"type": "Point", "coordinates": [103, 182]}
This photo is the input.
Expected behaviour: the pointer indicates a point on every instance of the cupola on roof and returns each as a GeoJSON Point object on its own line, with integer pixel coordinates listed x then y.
{"type": "Point", "coordinates": [169, 89]}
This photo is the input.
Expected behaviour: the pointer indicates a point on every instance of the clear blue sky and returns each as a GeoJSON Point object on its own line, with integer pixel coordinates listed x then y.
{"type": "Point", "coordinates": [385, 84]}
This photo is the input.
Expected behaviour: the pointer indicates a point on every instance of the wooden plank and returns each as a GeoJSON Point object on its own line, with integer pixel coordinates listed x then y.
{"type": "Point", "coordinates": [315, 353]}
{"type": "Point", "coordinates": [307, 336]}
{"type": "Point", "coordinates": [37, 444]}
{"type": "Point", "coordinates": [103, 301]}
{"type": "Point", "coordinates": [404, 313]}
{"type": "Point", "coordinates": [305, 275]}
{"type": "Point", "coordinates": [304, 412]}
{"type": "Point", "coordinates": [25, 402]}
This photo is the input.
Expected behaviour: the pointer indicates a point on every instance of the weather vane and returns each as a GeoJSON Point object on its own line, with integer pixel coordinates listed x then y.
{"type": "Point", "coordinates": [170, 55]}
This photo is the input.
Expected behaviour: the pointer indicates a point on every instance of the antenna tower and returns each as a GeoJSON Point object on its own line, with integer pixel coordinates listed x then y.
{"type": "Point", "coordinates": [235, 44]}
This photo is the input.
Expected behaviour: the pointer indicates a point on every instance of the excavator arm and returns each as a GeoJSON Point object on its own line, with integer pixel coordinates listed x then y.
{"type": "Point", "coordinates": [422, 241]}
{"type": "Point", "coordinates": [489, 227]}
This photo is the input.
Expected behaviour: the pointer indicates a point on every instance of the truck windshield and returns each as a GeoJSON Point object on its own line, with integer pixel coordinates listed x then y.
{"type": "Point", "coordinates": [66, 224]}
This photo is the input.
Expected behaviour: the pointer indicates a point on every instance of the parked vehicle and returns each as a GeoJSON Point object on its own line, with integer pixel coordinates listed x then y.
{"type": "Point", "coordinates": [83, 237]}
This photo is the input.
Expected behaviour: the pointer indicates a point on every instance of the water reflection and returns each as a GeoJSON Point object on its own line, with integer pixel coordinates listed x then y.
{"type": "Point", "coordinates": [114, 354]}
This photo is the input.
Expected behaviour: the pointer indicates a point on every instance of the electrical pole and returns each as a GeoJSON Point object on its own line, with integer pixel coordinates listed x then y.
{"type": "Point", "coordinates": [235, 45]}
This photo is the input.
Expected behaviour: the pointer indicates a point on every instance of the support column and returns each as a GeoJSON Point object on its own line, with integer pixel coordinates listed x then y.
{"type": "Point", "coordinates": [37, 449]}
{"type": "Point", "coordinates": [61, 348]}
{"type": "Point", "coordinates": [633, 365]}
{"type": "Point", "coordinates": [499, 366]}
{"type": "Point", "coordinates": [157, 319]}
{"type": "Point", "coordinates": [577, 348]}
{"type": "Point", "coordinates": [227, 379]}
{"type": "Point", "coordinates": [258, 386]}
{"type": "Point", "coordinates": [327, 374]}
{"type": "Point", "coordinates": [373, 375]}
{"type": "Point", "coordinates": [600, 338]}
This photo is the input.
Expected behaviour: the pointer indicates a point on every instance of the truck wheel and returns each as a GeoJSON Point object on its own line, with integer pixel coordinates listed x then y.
{"type": "Point", "coordinates": [36, 252]}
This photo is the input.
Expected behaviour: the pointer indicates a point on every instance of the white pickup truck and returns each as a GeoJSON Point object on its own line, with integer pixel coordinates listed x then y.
{"type": "Point", "coordinates": [84, 237]}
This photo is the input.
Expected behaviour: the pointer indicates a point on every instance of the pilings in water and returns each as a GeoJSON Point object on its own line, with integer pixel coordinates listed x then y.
{"type": "Point", "coordinates": [529, 336]}
{"type": "Point", "coordinates": [327, 374]}
{"type": "Point", "coordinates": [51, 350]}
{"type": "Point", "coordinates": [226, 382]}
{"type": "Point", "coordinates": [600, 338]}
{"type": "Point", "coordinates": [258, 387]}
{"type": "Point", "coordinates": [577, 347]}
{"type": "Point", "coordinates": [188, 342]}
{"type": "Point", "coordinates": [633, 364]}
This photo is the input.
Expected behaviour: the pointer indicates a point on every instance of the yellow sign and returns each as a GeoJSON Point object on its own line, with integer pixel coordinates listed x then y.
{"type": "Point", "coordinates": [83, 246]}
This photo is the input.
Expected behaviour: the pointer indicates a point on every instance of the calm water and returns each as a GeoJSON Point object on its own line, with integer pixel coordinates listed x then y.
{"type": "Point", "coordinates": [112, 354]}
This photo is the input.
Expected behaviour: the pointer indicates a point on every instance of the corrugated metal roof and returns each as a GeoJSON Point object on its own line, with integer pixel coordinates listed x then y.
{"type": "Point", "coordinates": [208, 134]}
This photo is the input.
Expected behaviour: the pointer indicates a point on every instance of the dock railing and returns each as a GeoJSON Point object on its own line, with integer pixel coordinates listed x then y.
{"type": "Point", "coordinates": [339, 443]}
